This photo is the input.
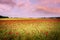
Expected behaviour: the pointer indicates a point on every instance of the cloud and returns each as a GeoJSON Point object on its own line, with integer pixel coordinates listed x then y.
{"type": "Point", "coordinates": [27, 8]}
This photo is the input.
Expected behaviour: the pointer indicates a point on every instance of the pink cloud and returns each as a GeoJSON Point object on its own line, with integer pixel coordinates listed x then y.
{"type": "Point", "coordinates": [26, 8]}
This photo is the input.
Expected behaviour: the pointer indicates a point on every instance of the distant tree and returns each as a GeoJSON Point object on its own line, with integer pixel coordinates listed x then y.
{"type": "Point", "coordinates": [3, 16]}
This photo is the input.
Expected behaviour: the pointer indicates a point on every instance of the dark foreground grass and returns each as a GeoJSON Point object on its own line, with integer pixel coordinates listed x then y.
{"type": "Point", "coordinates": [42, 29]}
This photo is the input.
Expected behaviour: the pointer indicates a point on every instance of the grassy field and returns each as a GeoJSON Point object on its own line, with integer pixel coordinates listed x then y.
{"type": "Point", "coordinates": [29, 29]}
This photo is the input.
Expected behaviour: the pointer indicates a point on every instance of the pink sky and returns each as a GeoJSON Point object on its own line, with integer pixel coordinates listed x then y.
{"type": "Point", "coordinates": [30, 8]}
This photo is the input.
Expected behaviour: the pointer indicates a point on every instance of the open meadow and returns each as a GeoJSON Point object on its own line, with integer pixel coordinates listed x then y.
{"type": "Point", "coordinates": [29, 29]}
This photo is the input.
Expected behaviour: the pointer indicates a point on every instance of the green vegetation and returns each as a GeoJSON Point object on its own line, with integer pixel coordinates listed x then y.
{"type": "Point", "coordinates": [43, 30]}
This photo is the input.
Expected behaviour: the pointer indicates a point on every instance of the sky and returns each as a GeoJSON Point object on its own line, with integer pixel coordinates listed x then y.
{"type": "Point", "coordinates": [30, 8]}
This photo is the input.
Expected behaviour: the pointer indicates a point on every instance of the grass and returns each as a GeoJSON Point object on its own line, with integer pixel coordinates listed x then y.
{"type": "Point", "coordinates": [33, 29]}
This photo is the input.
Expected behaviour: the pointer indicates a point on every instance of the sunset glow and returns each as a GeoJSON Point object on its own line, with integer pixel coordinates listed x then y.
{"type": "Point", "coordinates": [30, 8]}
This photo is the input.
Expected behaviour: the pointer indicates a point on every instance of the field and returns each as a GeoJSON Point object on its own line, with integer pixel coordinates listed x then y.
{"type": "Point", "coordinates": [29, 29]}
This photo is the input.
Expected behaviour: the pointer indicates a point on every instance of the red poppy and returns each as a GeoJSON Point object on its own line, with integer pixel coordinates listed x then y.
{"type": "Point", "coordinates": [5, 38]}
{"type": "Point", "coordinates": [10, 32]}
{"type": "Point", "coordinates": [46, 33]}
{"type": "Point", "coordinates": [17, 33]}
